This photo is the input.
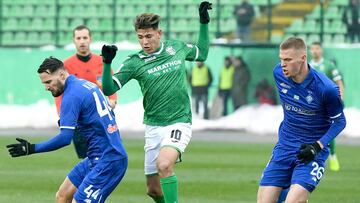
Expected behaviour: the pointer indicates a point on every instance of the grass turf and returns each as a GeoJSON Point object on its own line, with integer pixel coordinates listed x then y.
{"type": "Point", "coordinates": [211, 172]}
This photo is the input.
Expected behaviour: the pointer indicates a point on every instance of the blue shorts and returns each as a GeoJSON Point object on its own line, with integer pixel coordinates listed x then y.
{"type": "Point", "coordinates": [284, 169]}
{"type": "Point", "coordinates": [95, 182]}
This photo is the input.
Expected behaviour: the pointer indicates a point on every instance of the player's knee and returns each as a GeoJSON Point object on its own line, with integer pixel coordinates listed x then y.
{"type": "Point", "coordinates": [165, 168]}
{"type": "Point", "coordinates": [62, 196]}
{"type": "Point", "coordinates": [154, 192]}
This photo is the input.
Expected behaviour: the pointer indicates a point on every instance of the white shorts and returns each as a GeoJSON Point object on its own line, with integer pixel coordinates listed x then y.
{"type": "Point", "coordinates": [177, 135]}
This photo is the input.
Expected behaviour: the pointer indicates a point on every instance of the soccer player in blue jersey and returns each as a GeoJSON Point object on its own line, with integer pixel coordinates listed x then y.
{"type": "Point", "coordinates": [85, 108]}
{"type": "Point", "coordinates": [313, 116]}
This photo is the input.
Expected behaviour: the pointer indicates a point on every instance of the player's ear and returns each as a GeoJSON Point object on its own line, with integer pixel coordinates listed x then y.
{"type": "Point", "coordinates": [159, 33]}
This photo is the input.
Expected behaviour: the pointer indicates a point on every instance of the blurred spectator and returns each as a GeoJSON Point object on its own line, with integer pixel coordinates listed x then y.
{"type": "Point", "coordinates": [200, 80]}
{"type": "Point", "coordinates": [244, 14]}
{"type": "Point", "coordinates": [352, 20]}
{"type": "Point", "coordinates": [265, 93]}
{"type": "Point", "coordinates": [240, 83]}
{"type": "Point", "coordinates": [226, 82]}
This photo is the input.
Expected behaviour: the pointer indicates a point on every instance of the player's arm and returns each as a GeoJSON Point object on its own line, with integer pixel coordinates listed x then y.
{"type": "Point", "coordinates": [334, 107]}
{"type": "Point", "coordinates": [340, 84]}
{"type": "Point", "coordinates": [338, 79]}
{"type": "Point", "coordinates": [201, 49]}
{"type": "Point", "coordinates": [108, 53]}
{"type": "Point", "coordinates": [26, 148]}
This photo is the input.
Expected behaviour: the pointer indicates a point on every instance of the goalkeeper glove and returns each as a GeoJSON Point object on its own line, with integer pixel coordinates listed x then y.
{"type": "Point", "coordinates": [308, 152]}
{"type": "Point", "coordinates": [203, 13]}
{"type": "Point", "coordinates": [21, 149]}
{"type": "Point", "coordinates": [108, 53]}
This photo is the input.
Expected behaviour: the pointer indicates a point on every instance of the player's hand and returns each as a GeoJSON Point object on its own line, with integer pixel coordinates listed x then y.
{"type": "Point", "coordinates": [112, 103]}
{"type": "Point", "coordinates": [108, 53]}
{"type": "Point", "coordinates": [203, 12]}
{"type": "Point", "coordinates": [21, 149]}
{"type": "Point", "coordinates": [308, 152]}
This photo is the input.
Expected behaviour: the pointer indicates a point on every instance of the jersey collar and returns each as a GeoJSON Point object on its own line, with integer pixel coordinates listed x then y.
{"type": "Point", "coordinates": [312, 62]}
{"type": "Point", "coordinates": [69, 80]}
{"type": "Point", "coordinates": [145, 55]}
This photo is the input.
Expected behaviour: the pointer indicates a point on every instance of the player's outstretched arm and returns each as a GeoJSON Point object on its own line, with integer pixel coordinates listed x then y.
{"type": "Point", "coordinates": [203, 41]}
{"type": "Point", "coordinates": [24, 147]}
{"type": "Point", "coordinates": [108, 53]}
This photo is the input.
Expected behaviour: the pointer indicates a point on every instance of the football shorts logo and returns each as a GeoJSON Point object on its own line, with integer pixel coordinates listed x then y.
{"type": "Point", "coordinates": [112, 128]}
{"type": "Point", "coordinates": [170, 50]}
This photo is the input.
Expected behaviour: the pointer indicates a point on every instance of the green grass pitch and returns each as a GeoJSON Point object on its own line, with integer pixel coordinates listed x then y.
{"type": "Point", "coordinates": [212, 172]}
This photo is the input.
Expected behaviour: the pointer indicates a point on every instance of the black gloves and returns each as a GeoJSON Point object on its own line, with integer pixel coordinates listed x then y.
{"type": "Point", "coordinates": [108, 53]}
{"type": "Point", "coordinates": [308, 152]}
{"type": "Point", "coordinates": [21, 149]}
{"type": "Point", "coordinates": [203, 13]}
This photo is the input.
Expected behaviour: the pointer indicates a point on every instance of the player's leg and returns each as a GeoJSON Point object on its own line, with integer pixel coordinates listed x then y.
{"type": "Point", "coordinates": [276, 176]}
{"type": "Point", "coordinates": [333, 161]}
{"type": "Point", "coordinates": [66, 191]}
{"type": "Point", "coordinates": [154, 188]}
{"type": "Point", "coordinates": [169, 182]}
{"type": "Point", "coordinates": [176, 137]}
{"type": "Point", "coordinates": [153, 139]}
{"type": "Point", "coordinates": [72, 181]}
{"type": "Point", "coordinates": [80, 144]}
{"type": "Point", "coordinates": [101, 181]}
{"type": "Point", "coordinates": [297, 194]}
{"type": "Point", "coordinates": [306, 177]}
{"type": "Point", "coordinates": [268, 194]}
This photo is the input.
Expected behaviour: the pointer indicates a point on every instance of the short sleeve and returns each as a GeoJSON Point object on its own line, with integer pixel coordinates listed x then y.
{"type": "Point", "coordinates": [69, 112]}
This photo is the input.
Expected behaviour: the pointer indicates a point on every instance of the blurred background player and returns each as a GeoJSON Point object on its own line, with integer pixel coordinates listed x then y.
{"type": "Point", "coordinates": [326, 66]}
{"type": "Point", "coordinates": [85, 108]}
{"type": "Point", "coordinates": [244, 14]}
{"type": "Point", "coordinates": [226, 83]}
{"type": "Point", "coordinates": [313, 116]}
{"type": "Point", "coordinates": [351, 18]}
{"type": "Point", "coordinates": [88, 66]}
{"type": "Point", "coordinates": [200, 80]}
{"type": "Point", "coordinates": [160, 71]}
{"type": "Point", "coordinates": [241, 81]}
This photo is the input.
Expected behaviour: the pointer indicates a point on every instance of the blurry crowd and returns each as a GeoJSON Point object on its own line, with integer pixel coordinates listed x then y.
{"type": "Point", "coordinates": [232, 88]}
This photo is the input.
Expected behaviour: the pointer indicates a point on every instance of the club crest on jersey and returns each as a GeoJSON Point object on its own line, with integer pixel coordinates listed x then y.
{"type": "Point", "coordinates": [309, 99]}
{"type": "Point", "coordinates": [296, 97]}
{"type": "Point", "coordinates": [170, 50]}
{"type": "Point", "coordinates": [112, 128]}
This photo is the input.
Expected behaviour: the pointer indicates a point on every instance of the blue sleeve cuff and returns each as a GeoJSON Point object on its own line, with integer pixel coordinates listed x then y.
{"type": "Point", "coordinates": [60, 140]}
{"type": "Point", "coordinates": [338, 124]}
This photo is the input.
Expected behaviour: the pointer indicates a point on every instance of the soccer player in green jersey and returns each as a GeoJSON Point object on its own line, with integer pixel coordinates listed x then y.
{"type": "Point", "coordinates": [159, 69]}
{"type": "Point", "coordinates": [329, 68]}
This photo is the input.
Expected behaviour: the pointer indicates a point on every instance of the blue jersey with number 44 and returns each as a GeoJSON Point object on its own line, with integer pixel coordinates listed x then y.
{"type": "Point", "coordinates": [85, 108]}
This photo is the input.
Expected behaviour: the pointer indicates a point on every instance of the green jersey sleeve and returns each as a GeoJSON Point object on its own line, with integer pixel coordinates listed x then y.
{"type": "Point", "coordinates": [334, 73]}
{"type": "Point", "coordinates": [199, 51]}
{"type": "Point", "coordinates": [124, 73]}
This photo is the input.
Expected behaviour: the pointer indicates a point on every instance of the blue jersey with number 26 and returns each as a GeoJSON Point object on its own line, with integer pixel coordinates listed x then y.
{"type": "Point", "coordinates": [85, 108]}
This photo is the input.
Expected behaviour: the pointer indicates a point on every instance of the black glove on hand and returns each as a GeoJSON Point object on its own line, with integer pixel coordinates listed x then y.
{"type": "Point", "coordinates": [21, 149]}
{"type": "Point", "coordinates": [108, 53]}
{"type": "Point", "coordinates": [203, 13]}
{"type": "Point", "coordinates": [308, 152]}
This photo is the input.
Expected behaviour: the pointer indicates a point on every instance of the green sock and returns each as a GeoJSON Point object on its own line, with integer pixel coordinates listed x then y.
{"type": "Point", "coordinates": [169, 187]}
{"type": "Point", "coordinates": [159, 199]}
{"type": "Point", "coordinates": [332, 147]}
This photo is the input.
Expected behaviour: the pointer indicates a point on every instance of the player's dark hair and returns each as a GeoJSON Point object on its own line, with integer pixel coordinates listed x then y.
{"type": "Point", "coordinates": [316, 43]}
{"type": "Point", "coordinates": [51, 65]}
{"type": "Point", "coordinates": [293, 43]}
{"type": "Point", "coordinates": [147, 20]}
{"type": "Point", "coordinates": [81, 27]}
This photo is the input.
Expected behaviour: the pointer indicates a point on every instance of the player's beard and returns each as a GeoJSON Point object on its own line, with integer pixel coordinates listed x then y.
{"type": "Point", "coordinates": [59, 89]}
